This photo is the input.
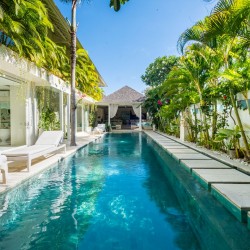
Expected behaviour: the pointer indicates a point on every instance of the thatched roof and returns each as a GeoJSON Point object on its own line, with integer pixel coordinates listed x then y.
{"type": "Point", "coordinates": [124, 95]}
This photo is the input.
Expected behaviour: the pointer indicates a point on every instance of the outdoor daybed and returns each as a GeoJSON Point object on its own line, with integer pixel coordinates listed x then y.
{"type": "Point", "coordinates": [47, 143]}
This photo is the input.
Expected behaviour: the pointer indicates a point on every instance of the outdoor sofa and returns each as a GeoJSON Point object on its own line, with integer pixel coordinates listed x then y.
{"type": "Point", "coordinates": [47, 143]}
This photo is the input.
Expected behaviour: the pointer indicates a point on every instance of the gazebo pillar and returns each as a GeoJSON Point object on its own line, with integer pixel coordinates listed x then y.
{"type": "Point", "coordinates": [109, 115]}
{"type": "Point", "coordinates": [82, 116]}
{"type": "Point", "coordinates": [61, 111]}
{"type": "Point", "coordinates": [68, 117]}
{"type": "Point", "coordinates": [140, 121]}
{"type": "Point", "coordinates": [86, 118]}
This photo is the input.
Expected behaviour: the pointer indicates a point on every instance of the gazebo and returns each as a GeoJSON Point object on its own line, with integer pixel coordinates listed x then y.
{"type": "Point", "coordinates": [122, 109]}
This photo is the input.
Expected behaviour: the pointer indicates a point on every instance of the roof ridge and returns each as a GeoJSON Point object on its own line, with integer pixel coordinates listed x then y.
{"type": "Point", "coordinates": [125, 94]}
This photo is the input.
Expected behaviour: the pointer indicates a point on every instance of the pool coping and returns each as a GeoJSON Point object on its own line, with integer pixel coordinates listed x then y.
{"type": "Point", "coordinates": [226, 201]}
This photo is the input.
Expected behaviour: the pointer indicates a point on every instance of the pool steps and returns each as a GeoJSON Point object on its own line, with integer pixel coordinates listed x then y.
{"type": "Point", "coordinates": [226, 183]}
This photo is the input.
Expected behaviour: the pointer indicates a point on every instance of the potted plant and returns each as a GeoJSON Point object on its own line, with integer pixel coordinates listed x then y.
{"type": "Point", "coordinates": [92, 120]}
{"type": "Point", "coordinates": [108, 127]}
{"type": "Point", "coordinates": [230, 138]}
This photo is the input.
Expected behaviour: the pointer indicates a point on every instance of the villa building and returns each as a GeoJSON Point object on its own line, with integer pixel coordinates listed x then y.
{"type": "Point", "coordinates": [22, 82]}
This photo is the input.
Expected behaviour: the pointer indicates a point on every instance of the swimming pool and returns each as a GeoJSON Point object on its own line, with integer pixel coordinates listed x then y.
{"type": "Point", "coordinates": [121, 192]}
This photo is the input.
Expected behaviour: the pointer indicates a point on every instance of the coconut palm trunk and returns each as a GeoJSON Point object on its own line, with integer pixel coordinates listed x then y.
{"type": "Point", "coordinates": [214, 119]}
{"type": "Point", "coordinates": [73, 75]}
{"type": "Point", "coordinates": [113, 3]}
{"type": "Point", "coordinates": [244, 138]}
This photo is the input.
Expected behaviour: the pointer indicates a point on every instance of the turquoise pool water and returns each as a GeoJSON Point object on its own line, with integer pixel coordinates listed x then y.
{"type": "Point", "coordinates": [121, 192]}
{"type": "Point", "coordinates": [110, 195]}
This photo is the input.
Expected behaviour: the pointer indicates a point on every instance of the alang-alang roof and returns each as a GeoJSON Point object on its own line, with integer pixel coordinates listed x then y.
{"type": "Point", "coordinates": [124, 95]}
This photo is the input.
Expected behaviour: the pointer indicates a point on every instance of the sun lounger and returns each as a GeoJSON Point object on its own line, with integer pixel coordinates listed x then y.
{"type": "Point", "coordinates": [47, 143]}
{"type": "Point", "coordinates": [101, 128]}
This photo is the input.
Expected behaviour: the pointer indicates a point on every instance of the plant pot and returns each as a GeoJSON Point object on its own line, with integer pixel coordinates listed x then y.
{"type": "Point", "coordinates": [89, 129]}
{"type": "Point", "coordinates": [232, 153]}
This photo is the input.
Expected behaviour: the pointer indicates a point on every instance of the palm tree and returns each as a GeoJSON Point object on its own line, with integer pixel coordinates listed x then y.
{"type": "Point", "coordinates": [191, 74]}
{"type": "Point", "coordinates": [113, 3]}
{"type": "Point", "coordinates": [228, 21]}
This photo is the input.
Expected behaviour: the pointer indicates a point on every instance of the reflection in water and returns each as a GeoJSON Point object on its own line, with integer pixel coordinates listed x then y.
{"type": "Point", "coordinates": [161, 192]}
{"type": "Point", "coordinates": [214, 225]}
{"type": "Point", "coordinates": [52, 211]}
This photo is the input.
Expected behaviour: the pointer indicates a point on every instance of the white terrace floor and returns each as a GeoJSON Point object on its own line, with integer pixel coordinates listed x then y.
{"type": "Point", "coordinates": [227, 180]}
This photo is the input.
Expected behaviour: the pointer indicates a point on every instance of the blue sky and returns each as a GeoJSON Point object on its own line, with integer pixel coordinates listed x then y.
{"type": "Point", "coordinates": [122, 44]}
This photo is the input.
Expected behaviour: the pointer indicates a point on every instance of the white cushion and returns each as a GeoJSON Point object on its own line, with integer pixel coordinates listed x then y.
{"type": "Point", "coordinates": [3, 159]}
{"type": "Point", "coordinates": [24, 151]}
{"type": "Point", "coordinates": [50, 138]}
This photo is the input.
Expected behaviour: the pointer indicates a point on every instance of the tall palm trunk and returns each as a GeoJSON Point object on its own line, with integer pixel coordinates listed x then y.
{"type": "Point", "coordinates": [73, 75]}
{"type": "Point", "coordinates": [203, 116]}
{"type": "Point", "coordinates": [195, 125]}
{"type": "Point", "coordinates": [214, 120]}
{"type": "Point", "coordinates": [240, 124]}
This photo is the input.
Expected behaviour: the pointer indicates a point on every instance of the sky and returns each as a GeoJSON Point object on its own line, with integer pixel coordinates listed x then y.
{"type": "Point", "coordinates": [123, 44]}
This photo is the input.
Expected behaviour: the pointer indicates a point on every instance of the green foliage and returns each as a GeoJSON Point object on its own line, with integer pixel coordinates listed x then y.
{"type": "Point", "coordinates": [48, 120]}
{"type": "Point", "coordinates": [116, 4]}
{"type": "Point", "coordinates": [108, 127]}
{"type": "Point", "coordinates": [150, 104]}
{"type": "Point", "coordinates": [230, 139]}
{"type": "Point", "coordinates": [157, 72]}
{"type": "Point", "coordinates": [25, 28]}
{"type": "Point", "coordinates": [92, 118]}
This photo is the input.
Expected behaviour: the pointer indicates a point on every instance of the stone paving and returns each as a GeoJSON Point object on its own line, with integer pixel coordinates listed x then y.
{"type": "Point", "coordinates": [228, 180]}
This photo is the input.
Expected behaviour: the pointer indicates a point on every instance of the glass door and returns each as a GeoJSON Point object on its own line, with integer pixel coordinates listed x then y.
{"type": "Point", "coordinates": [4, 117]}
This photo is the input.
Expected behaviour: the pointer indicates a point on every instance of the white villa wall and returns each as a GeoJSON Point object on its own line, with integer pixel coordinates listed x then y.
{"type": "Point", "coordinates": [21, 77]}
{"type": "Point", "coordinates": [244, 116]}
{"type": "Point", "coordinates": [18, 116]}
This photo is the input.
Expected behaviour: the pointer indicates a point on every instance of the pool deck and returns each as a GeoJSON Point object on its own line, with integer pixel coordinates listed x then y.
{"type": "Point", "coordinates": [227, 180]}
{"type": "Point", "coordinates": [18, 172]}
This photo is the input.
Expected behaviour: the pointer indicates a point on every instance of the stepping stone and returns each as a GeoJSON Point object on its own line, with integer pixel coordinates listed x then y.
{"type": "Point", "coordinates": [171, 144]}
{"type": "Point", "coordinates": [168, 142]}
{"type": "Point", "coordinates": [164, 139]}
{"type": "Point", "coordinates": [182, 150]}
{"type": "Point", "coordinates": [174, 146]}
{"type": "Point", "coordinates": [235, 197]}
{"type": "Point", "coordinates": [183, 156]}
{"type": "Point", "coordinates": [209, 176]}
{"type": "Point", "coordinates": [193, 164]}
